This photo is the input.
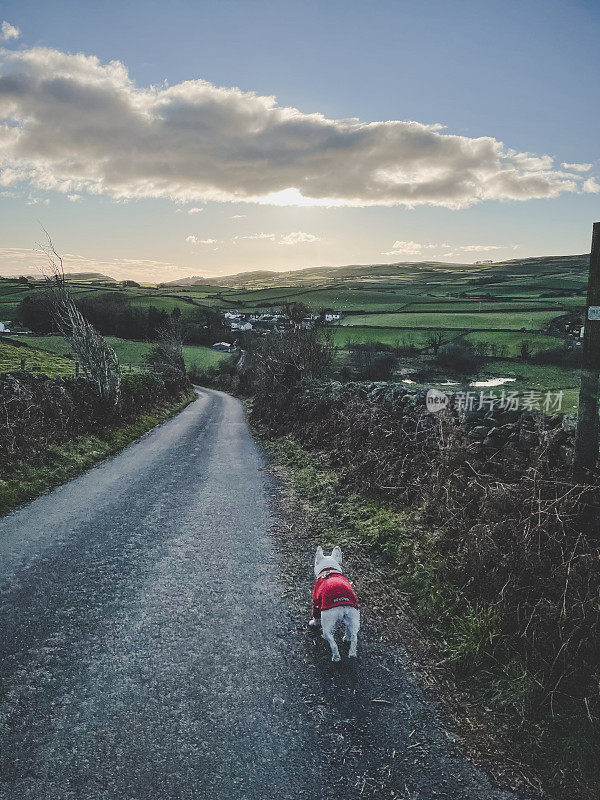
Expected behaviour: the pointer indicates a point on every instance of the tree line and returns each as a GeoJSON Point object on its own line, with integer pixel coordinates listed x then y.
{"type": "Point", "coordinates": [112, 314]}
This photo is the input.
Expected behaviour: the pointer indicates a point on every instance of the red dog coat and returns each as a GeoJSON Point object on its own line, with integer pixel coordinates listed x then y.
{"type": "Point", "coordinates": [331, 591]}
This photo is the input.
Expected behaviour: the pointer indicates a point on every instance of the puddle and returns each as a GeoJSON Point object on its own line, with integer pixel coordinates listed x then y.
{"type": "Point", "coordinates": [492, 382]}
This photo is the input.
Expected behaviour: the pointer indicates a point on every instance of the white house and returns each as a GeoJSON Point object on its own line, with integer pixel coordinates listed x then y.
{"type": "Point", "coordinates": [332, 316]}
{"type": "Point", "coordinates": [4, 327]}
{"type": "Point", "coordinates": [223, 346]}
{"type": "Point", "coordinates": [241, 326]}
{"type": "Point", "coordinates": [231, 316]}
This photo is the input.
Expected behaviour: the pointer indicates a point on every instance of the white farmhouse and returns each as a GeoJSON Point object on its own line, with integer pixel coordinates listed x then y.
{"type": "Point", "coordinates": [332, 316]}
{"type": "Point", "coordinates": [241, 326]}
{"type": "Point", "coordinates": [225, 347]}
{"type": "Point", "coordinates": [4, 327]}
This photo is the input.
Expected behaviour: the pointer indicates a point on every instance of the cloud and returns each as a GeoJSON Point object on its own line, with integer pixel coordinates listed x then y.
{"type": "Point", "coordinates": [576, 167]}
{"type": "Point", "coordinates": [255, 236]}
{"type": "Point", "coordinates": [195, 210]}
{"type": "Point", "coordinates": [192, 239]}
{"type": "Point", "coordinates": [298, 237]}
{"type": "Point", "coordinates": [73, 124]}
{"type": "Point", "coordinates": [238, 216]}
{"type": "Point", "coordinates": [9, 31]}
{"type": "Point", "coordinates": [481, 248]}
{"type": "Point", "coordinates": [407, 248]}
{"type": "Point", "coordinates": [591, 186]}
{"type": "Point", "coordinates": [73, 197]}
{"type": "Point", "coordinates": [417, 248]}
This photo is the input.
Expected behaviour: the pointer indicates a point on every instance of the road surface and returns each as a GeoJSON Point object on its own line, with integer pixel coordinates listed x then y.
{"type": "Point", "coordinates": [150, 650]}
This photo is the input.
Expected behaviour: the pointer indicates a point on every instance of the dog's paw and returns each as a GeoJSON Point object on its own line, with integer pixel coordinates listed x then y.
{"type": "Point", "coordinates": [336, 657]}
{"type": "Point", "coordinates": [352, 655]}
{"type": "Point", "coordinates": [314, 623]}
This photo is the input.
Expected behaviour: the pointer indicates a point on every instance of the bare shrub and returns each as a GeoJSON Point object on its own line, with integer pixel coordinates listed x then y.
{"type": "Point", "coordinates": [166, 358]}
{"type": "Point", "coordinates": [98, 360]}
{"type": "Point", "coordinates": [279, 362]}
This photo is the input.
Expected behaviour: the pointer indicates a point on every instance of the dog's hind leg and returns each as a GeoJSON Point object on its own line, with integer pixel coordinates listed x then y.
{"type": "Point", "coordinates": [352, 622]}
{"type": "Point", "coordinates": [329, 620]}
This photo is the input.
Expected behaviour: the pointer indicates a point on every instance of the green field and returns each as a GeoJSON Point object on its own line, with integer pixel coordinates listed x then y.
{"type": "Point", "coordinates": [128, 352]}
{"type": "Point", "coordinates": [489, 320]}
{"type": "Point", "coordinates": [557, 387]}
{"type": "Point", "coordinates": [37, 361]}
{"type": "Point", "coordinates": [344, 336]}
{"type": "Point", "coordinates": [499, 306]}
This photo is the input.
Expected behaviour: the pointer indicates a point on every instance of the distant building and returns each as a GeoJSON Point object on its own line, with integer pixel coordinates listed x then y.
{"type": "Point", "coordinates": [4, 327]}
{"type": "Point", "coordinates": [575, 329]}
{"type": "Point", "coordinates": [488, 261]}
{"type": "Point", "coordinates": [224, 347]}
{"type": "Point", "coordinates": [332, 316]}
{"type": "Point", "coordinates": [241, 326]}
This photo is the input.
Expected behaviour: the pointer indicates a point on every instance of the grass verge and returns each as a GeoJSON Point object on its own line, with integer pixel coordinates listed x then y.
{"type": "Point", "coordinates": [25, 481]}
{"type": "Point", "coordinates": [561, 748]}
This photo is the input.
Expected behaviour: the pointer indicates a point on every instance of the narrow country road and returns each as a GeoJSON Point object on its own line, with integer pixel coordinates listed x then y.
{"type": "Point", "coordinates": [150, 650]}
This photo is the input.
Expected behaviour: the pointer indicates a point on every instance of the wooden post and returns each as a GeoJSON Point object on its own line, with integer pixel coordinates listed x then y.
{"type": "Point", "coordinates": [77, 369]}
{"type": "Point", "coordinates": [22, 365]}
{"type": "Point", "coordinates": [586, 441]}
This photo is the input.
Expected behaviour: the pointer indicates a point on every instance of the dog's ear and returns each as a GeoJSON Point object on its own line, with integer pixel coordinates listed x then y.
{"type": "Point", "coordinates": [337, 554]}
{"type": "Point", "coordinates": [319, 555]}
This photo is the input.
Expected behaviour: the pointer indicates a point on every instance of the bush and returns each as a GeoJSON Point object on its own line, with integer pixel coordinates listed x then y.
{"type": "Point", "coordinates": [559, 356]}
{"type": "Point", "coordinates": [459, 356]}
{"type": "Point", "coordinates": [223, 376]}
{"type": "Point", "coordinates": [372, 361]}
{"type": "Point", "coordinates": [39, 412]}
{"type": "Point", "coordinates": [279, 363]}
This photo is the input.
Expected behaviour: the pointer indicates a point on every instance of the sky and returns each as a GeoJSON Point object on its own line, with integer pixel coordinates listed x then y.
{"type": "Point", "coordinates": [159, 140]}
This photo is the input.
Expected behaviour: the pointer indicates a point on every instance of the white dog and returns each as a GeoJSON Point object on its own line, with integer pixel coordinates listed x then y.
{"type": "Point", "coordinates": [334, 601]}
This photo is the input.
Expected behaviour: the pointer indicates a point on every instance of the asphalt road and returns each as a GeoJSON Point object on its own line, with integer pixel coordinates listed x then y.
{"type": "Point", "coordinates": [150, 649]}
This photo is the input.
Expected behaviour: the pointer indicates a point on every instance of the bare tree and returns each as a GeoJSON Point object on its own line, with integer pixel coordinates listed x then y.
{"type": "Point", "coordinates": [168, 353]}
{"type": "Point", "coordinates": [98, 360]}
{"type": "Point", "coordinates": [435, 342]}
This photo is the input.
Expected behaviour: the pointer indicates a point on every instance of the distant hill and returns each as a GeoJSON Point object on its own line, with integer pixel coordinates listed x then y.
{"type": "Point", "coordinates": [70, 276]}
{"type": "Point", "coordinates": [89, 276]}
{"type": "Point", "coordinates": [398, 272]}
{"type": "Point", "coordinates": [194, 280]}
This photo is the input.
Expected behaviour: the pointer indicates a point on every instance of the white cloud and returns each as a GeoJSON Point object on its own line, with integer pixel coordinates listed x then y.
{"type": "Point", "coordinates": [196, 142]}
{"type": "Point", "coordinates": [591, 186]}
{"type": "Point", "coordinates": [416, 248]}
{"type": "Point", "coordinates": [298, 237]}
{"type": "Point", "coordinates": [192, 239]}
{"type": "Point", "coordinates": [9, 31]}
{"type": "Point", "coordinates": [576, 167]}
{"type": "Point", "coordinates": [481, 248]}
{"type": "Point", "coordinates": [407, 248]}
{"type": "Point", "coordinates": [73, 197]}
{"type": "Point", "coordinates": [238, 216]}
{"type": "Point", "coordinates": [195, 210]}
{"type": "Point", "coordinates": [255, 236]}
